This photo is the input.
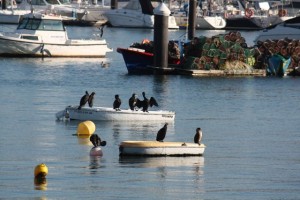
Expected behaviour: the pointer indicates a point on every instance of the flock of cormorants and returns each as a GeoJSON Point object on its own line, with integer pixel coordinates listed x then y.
{"type": "Point", "coordinates": [160, 136]}
{"type": "Point", "coordinates": [134, 102]}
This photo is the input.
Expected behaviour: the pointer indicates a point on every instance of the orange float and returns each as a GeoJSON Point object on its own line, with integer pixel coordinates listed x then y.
{"type": "Point", "coordinates": [248, 13]}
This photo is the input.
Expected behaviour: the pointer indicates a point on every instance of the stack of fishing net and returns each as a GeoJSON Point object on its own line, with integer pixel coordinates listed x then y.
{"type": "Point", "coordinates": [222, 52]}
{"type": "Point", "coordinates": [283, 47]}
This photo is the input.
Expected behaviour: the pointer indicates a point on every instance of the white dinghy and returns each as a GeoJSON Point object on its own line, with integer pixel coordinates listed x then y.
{"type": "Point", "coordinates": [155, 148]}
{"type": "Point", "coordinates": [110, 114]}
{"type": "Point", "coordinates": [39, 35]}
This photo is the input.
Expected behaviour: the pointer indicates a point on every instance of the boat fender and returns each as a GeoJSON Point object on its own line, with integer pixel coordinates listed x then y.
{"type": "Point", "coordinates": [96, 151]}
{"type": "Point", "coordinates": [282, 12]}
{"type": "Point", "coordinates": [248, 13]}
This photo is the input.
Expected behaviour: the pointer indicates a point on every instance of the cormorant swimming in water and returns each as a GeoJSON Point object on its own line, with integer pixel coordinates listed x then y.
{"type": "Point", "coordinates": [198, 136]}
{"type": "Point", "coordinates": [161, 134]}
{"type": "Point", "coordinates": [83, 100]}
{"type": "Point", "coordinates": [117, 103]}
{"type": "Point", "coordinates": [96, 140]}
{"type": "Point", "coordinates": [91, 99]}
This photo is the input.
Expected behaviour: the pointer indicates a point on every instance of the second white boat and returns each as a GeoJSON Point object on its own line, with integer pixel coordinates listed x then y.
{"type": "Point", "coordinates": [110, 114]}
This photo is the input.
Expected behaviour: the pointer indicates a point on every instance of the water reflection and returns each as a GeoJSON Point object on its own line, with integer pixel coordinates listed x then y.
{"type": "Point", "coordinates": [150, 162]}
{"type": "Point", "coordinates": [40, 183]}
{"type": "Point", "coordinates": [84, 140]}
{"type": "Point", "coordinates": [94, 163]}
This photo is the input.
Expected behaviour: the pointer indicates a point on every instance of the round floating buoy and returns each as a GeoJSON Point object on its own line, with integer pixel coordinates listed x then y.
{"type": "Point", "coordinates": [96, 151]}
{"type": "Point", "coordinates": [248, 13]}
{"type": "Point", "coordinates": [282, 12]}
{"type": "Point", "coordinates": [86, 128]}
{"type": "Point", "coordinates": [41, 170]}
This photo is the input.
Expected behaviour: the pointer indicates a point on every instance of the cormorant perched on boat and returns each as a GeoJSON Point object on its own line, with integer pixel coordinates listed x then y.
{"type": "Point", "coordinates": [161, 134]}
{"type": "Point", "coordinates": [83, 100]}
{"type": "Point", "coordinates": [96, 140]}
{"type": "Point", "coordinates": [198, 136]}
{"type": "Point", "coordinates": [91, 99]}
{"type": "Point", "coordinates": [117, 103]}
{"type": "Point", "coordinates": [146, 102]}
{"type": "Point", "coordinates": [132, 101]}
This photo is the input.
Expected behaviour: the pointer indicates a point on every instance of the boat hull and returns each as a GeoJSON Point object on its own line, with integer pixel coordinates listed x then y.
{"type": "Point", "coordinates": [134, 19]}
{"type": "Point", "coordinates": [9, 17]}
{"type": "Point", "coordinates": [205, 23]}
{"type": "Point", "coordinates": [140, 62]}
{"type": "Point", "coordinates": [11, 46]}
{"type": "Point", "coordinates": [110, 114]}
{"type": "Point", "coordinates": [155, 148]}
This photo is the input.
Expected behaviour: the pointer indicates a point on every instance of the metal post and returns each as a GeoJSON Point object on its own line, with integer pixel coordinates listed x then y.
{"type": "Point", "coordinates": [4, 6]}
{"type": "Point", "coordinates": [192, 18]}
{"type": "Point", "coordinates": [113, 4]}
{"type": "Point", "coordinates": [161, 39]}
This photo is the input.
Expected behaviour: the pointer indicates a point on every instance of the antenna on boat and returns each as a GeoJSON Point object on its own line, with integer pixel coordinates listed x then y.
{"type": "Point", "coordinates": [31, 7]}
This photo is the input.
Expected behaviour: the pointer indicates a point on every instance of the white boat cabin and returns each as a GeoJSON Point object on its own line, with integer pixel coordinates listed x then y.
{"type": "Point", "coordinates": [42, 28]}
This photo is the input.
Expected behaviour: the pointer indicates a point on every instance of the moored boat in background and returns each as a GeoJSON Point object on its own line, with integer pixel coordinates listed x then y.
{"type": "Point", "coordinates": [255, 15]}
{"type": "Point", "coordinates": [136, 14]}
{"type": "Point", "coordinates": [39, 35]}
{"type": "Point", "coordinates": [205, 19]}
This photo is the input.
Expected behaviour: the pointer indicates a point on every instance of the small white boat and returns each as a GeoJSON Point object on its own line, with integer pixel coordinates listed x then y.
{"type": "Point", "coordinates": [110, 114]}
{"type": "Point", "coordinates": [155, 148]}
{"type": "Point", "coordinates": [39, 35]}
{"type": "Point", "coordinates": [136, 14]}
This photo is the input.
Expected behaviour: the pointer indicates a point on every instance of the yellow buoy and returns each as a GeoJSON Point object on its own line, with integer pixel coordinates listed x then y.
{"type": "Point", "coordinates": [86, 128]}
{"type": "Point", "coordinates": [41, 169]}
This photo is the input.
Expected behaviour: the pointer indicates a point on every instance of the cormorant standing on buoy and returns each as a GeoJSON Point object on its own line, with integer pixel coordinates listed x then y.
{"type": "Point", "coordinates": [132, 101]}
{"type": "Point", "coordinates": [91, 99]}
{"type": "Point", "coordinates": [83, 100]}
{"type": "Point", "coordinates": [117, 103]}
{"type": "Point", "coordinates": [96, 140]}
{"type": "Point", "coordinates": [161, 134]}
{"type": "Point", "coordinates": [198, 136]}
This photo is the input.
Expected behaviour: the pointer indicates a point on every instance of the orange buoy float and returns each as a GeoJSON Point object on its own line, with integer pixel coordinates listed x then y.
{"type": "Point", "coordinates": [282, 13]}
{"type": "Point", "coordinates": [248, 13]}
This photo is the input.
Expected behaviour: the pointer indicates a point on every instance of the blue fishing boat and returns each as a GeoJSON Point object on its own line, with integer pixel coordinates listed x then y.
{"type": "Point", "coordinates": [139, 58]}
{"type": "Point", "coordinates": [277, 65]}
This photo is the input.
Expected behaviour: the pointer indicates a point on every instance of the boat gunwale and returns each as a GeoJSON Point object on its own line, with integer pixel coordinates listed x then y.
{"type": "Point", "coordinates": [127, 111]}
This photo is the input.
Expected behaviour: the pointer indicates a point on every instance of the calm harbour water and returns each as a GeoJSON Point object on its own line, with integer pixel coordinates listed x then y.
{"type": "Point", "coordinates": [250, 126]}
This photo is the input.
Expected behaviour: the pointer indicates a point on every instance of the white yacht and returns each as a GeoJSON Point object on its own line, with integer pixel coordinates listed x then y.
{"type": "Point", "coordinates": [136, 14]}
{"type": "Point", "coordinates": [39, 35]}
